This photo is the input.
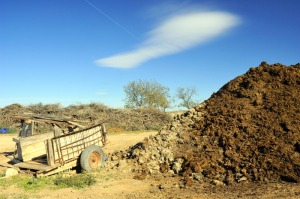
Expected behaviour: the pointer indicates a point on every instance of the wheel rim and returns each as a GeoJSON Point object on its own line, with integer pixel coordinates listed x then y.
{"type": "Point", "coordinates": [94, 160]}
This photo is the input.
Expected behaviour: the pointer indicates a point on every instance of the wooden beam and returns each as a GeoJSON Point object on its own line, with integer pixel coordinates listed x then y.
{"type": "Point", "coordinates": [30, 128]}
{"type": "Point", "coordinates": [34, 166]}
{"type": "Point", "coordinates": [50, 153]}
{"type": "Point", "coordinates": [64, 123]}
{"type": "Point", "coordinates": [32, 151]}
{"type": "Point", "coordinates": [4, 164]}
{"type": "Point", "coordinates": [69, 165]}
{"type": "Point", "coordinates": [76, 124]}
{"type": "Point", "coordinates": [23, 130]}
{"type": "Point", "coordinates": [35, 138]}
{"type": "Point", "coordinates": [57, 130]}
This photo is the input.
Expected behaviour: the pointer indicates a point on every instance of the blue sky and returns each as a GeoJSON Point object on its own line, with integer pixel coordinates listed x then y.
{"type": "Point", "coordinates": [83, 51]}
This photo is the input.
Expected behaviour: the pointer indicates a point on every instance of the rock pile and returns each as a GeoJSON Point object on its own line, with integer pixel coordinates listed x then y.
{"type": "Point", "coordinates": [248, 131]}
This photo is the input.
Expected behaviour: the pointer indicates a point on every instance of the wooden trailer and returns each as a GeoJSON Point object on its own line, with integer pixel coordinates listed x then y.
{"type": "Point", "coordinates": [68, 145]}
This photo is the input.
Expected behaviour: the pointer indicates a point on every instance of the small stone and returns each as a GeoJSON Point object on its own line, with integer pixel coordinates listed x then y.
{"type": "Point", "coordinates": [175, 185]}
{"type": "Point", "coordinates": [238, 176]}
{"type": "Point", "coordinates": [114, 158]}
{"type": "Point", "coordinates": [161, 187]}
{"type": "Point", "coordinates": [197, 177]}
{"type": "Point", "coordinates": [122, 163]}
{"type": "Point", "coordinates": [142, 160]}
{"type": "Point", "coordinates": [171, 172]}
{"type": "Point", "coordinates": [11, 172]}
{"type": "Point", "coordinates": [244, 171]}
{"type": "Point", "coordinates": [176, 167]}
{"type": "Point", "coordinates": [217, 183]}
{"type": "Point", "coordinates": [140, 176]}
{"type": "Point", "coordinates": [242, 179]}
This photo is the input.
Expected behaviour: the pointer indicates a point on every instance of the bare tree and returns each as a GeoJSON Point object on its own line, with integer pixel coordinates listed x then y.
{"type": "Point", "coordinates": [186, 95]}
{"type": "Point", "coordinates": [146, 94]}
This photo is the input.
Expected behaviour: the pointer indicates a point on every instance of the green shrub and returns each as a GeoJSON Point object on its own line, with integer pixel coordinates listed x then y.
{"type": "Point", "coordinates": [26, 182]}
{"type": "Point", "coordinates": [78, 181]}
{"type": "Point", "coordinates": [32, 183]}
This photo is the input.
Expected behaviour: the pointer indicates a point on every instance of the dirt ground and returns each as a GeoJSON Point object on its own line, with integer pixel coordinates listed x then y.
{"type": "Point", "coordinates": [123, 185]}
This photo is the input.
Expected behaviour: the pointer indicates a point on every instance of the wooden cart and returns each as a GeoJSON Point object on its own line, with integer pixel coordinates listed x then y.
{"type": "Point", "coordinates": [65, 147]}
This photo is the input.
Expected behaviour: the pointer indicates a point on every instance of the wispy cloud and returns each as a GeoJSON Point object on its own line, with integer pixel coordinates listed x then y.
{"type": "Point", "coordinates": [101, 93]}
{"type": "Point", "coordinates": [175, 34]}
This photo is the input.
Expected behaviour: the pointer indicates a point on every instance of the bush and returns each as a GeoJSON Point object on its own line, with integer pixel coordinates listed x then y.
{"type": "Point", "coordinates": [78, 181]}
{"type": "Point", "coordinates": [25, 182]}
{"type": "Point", "coordinates": [88, 115]}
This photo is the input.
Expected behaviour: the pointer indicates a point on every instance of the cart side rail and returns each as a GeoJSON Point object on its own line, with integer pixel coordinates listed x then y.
{"type": "Point", "coordinates": [65, 148]}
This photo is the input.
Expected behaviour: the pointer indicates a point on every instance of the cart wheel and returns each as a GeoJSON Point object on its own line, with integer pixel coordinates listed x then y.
{"type": "Point", "coordinates": [92, 158]}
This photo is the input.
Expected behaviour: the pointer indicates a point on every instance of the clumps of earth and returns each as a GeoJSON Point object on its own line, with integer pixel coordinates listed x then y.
{"type": "Point", "coordinates": [249, 131]}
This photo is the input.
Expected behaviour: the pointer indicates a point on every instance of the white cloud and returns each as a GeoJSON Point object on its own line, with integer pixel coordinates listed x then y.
{"type": "Point", "coordinates": [101, 93]}
{"type": "Point", "coordinates": [175, 34]}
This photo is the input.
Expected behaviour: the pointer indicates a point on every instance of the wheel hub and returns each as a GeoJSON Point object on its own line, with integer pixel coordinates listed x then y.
{"type": "Point", "coordinates": [94, 160]}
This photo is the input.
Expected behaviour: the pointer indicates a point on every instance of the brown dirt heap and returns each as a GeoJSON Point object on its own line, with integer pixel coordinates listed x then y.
{"type": "Point", "coordinates": [248, 131]}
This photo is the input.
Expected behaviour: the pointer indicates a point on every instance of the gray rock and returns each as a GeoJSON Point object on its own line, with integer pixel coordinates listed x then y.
{"type": "Point", "coordinates": [176, 167]}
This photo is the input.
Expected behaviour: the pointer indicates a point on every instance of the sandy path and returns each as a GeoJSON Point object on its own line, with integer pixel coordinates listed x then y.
{"type": "Point", "coordinates": [6, 143]}
{"type": "Point", "coordinates": [124, 140]}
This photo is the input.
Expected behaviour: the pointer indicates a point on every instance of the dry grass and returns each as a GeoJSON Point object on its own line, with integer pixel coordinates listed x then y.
{"type": "Point", "coordinates": [116, 120]}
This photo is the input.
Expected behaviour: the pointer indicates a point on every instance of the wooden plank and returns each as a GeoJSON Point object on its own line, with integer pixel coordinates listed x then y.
{"type": "Point", "coordinates": [57, 131]}
{"type": "Point", "coordinates": [50, 153]}
{"type": "Point", "coordinates": [32, 147]}
{"type": "Point", "coordinates": [26, 116]}
{"type": "Point", "coordinates": [76, 124]}
{"type": "Point", "coordinates": [29, 130]}
{"type": "Point", "coordinates": [16, 161]}
{"type": "Point", "coordinates": [59, 118]}
{"type": "Point", "coordinates": [50, 119]}
{"type": "Point", "coordinates": [69, 165]}
{"type": "Point", "coordinates": [4, 164]}
{"type": "Point", "coordinates": [19, 151]}
{"type": "Point", "coordinates": [17, 140]}
{"type": "Point", "coordinates": [23, 130]}
{"type": "Point", "coordinates": [34, 150]}
{"type": "Point", "coordinates": [61, 123]}
{"type": "Point", "coordinates": [35, 138]}
{"type": "Point", "coordinates": [34, 166]}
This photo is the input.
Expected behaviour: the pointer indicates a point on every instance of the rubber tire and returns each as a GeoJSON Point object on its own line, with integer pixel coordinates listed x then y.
{"type": "Point", "coordinates": [92, 158]}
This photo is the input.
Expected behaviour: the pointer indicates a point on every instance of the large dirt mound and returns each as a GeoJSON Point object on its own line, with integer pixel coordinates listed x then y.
{"type": "Point", "coordinates": [248, 131]}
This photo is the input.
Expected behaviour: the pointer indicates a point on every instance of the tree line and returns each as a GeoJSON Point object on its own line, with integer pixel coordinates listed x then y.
{"type": "Point", "coordinates": [152, 95]}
